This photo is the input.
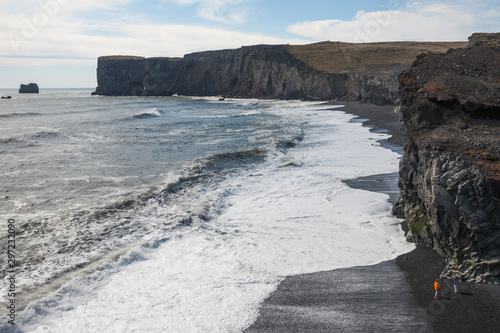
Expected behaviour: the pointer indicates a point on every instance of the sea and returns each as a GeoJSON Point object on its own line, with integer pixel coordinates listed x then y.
{"type": "Point", "coordinates": [178, 214]}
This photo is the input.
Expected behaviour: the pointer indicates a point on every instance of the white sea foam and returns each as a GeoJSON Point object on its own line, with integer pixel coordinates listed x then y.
{"type": "Point", "coordinates": [256, 228]}
{"type": "Point", "coordinates": [149, 114]}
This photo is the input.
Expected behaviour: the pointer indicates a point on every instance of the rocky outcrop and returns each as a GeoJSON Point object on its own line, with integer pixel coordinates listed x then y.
{"type": "Point", "coordinates": [31, 88]}
{"type": "Point", "coordinates": [252, 72]}
{"type": "Point", "coordinates": [450, 170]}
{"type": "Point", "coordinates": [263, 71]}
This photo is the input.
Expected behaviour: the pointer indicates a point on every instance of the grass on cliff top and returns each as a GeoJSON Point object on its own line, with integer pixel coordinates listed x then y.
{"type": "Point", "coordinates": [366, 58]}
{"type": "Point", "coordinates": [119, 57]}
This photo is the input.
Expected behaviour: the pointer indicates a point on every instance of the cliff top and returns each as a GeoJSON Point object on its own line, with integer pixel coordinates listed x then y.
{"type": "Point", "coordinates": [367, 58]}
{"type": "Point", "coordinates": [118, 57]}
{"type": "Point", "coordinates": [454, 101]}
{"type": "Point", "coordinates": [482, 38]}
{"type": "Point", "coordinates": [337, 57]}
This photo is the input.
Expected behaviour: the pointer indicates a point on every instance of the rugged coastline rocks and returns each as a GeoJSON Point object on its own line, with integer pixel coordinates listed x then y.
{"type": "Point", "coordinates": [321, 71]}
{"type": "Point", "coordinates": [31, 88]}
{"type": "Point", "coordinates": [450, 171]}
{"type": "Point", "coordinates": [449, 175]}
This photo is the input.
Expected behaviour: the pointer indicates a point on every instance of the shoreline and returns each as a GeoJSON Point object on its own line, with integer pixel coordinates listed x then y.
{"type": "Point", "coordinates": [395, 295]}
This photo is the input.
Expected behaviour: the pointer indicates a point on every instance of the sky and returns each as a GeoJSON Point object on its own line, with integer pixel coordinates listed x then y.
{"type": "Point", "coordinates": [56, 43]}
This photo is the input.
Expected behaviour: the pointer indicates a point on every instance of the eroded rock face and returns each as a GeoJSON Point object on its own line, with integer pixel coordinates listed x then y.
{"type": "Point", "coordinates": [321, 71]}
{"type": "Point", "coordinates": [252, 72]}
{"type": "Point", "coordinates": [261, 71]}
{"type": "Point", "coordinates": [450, 171]}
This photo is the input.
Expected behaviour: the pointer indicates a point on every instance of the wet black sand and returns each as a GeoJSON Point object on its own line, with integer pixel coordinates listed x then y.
{"type": "Point", "coordinates": [359, 299]}
{"type": "Point", "coordinates": [393, 296]}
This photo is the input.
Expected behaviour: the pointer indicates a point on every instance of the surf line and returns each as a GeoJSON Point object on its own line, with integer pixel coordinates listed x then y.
{"type": "Point", "coordinates": [11, 271]}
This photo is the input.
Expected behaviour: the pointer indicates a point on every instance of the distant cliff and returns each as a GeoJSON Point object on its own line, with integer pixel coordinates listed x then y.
{"type": "Point", "coordinates": [450, 171]}
{"type": "Point", "coordinates": [322, 71]}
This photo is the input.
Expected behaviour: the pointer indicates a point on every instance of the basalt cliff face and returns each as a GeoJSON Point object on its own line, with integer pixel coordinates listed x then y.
{"type": "Point", "coordinates": [450, 171]}
{"type": "Point", "coordinates": [322, 71]}
{"type": "Point", "coordinates": [450, 102]}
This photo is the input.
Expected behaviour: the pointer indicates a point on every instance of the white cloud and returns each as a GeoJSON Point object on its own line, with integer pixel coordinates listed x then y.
{"type": "Point", "coordinates": [177, 40]}
{"type": "Point", "coordinates": [417, 21]}
{"type": "Point", "coordinates": [56, 7]}
{"type": "Point", "coordinates": [24, 62]}
{"type": "Point", "coordinates": [39, 27]}
{"type": "Point", "coordinates": [62, 38]}
{"type": "Point", "coordinates": [222, 11]}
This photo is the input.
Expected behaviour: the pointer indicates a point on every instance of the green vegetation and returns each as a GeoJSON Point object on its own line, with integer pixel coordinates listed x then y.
{"type": "Point", "coordinates": [418, 222]}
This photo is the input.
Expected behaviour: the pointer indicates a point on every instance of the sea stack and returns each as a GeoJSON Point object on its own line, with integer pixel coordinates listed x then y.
{"type": "Point", "coordinates": [450, 171]}
{"type": "Point", "coordinates": [31, 88]}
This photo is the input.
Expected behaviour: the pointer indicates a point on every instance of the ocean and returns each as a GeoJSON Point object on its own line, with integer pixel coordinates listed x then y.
{"type": "Point", "coordinates": [178, 214]}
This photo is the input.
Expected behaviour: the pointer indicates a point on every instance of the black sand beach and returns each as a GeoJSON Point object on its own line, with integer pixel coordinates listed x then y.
{"type": "Point", "coordinates": [393, 296]}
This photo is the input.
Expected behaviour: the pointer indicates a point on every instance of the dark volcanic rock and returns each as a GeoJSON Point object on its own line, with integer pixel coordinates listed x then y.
{"type": "Point", "coordinates": [260, 71]}
{"type": "Point", "coordinates": [266, 71]}
{"type": "Point", "coordinates": [31, 88]}
{"type": "Point", "coordinates": [450, 171]}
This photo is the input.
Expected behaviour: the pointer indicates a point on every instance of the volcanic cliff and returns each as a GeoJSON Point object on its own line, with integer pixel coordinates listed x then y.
{"type": "Point", "coordinates": [322, 71]}
{"type": "Point", "coordinates": [450, 172]}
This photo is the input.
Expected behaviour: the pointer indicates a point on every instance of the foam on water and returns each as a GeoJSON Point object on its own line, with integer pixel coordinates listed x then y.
{"type": "Point", "coordinates": [85, 177]}
{"type": "Point", "coordinates": [245, 233]}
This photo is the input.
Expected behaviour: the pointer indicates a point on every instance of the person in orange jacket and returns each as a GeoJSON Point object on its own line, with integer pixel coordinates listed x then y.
{"type": "Point", "coordinates": [437, 288]}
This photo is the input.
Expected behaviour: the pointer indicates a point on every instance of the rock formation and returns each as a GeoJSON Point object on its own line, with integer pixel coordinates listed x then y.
{"type": "Point", "coordinates": [31, 88]}
{"type": "Point", "coordinates": [450, 171]}
{"type": "Point", "coordinates": [322, 71]}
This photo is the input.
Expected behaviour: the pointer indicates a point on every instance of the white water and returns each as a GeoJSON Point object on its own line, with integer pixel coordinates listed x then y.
{"type": "Point", "coordinates": [267, 223]}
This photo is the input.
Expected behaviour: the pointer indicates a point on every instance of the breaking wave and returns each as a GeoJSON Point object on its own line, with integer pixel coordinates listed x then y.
{"type": "Point", "coordinates": [150, 114]}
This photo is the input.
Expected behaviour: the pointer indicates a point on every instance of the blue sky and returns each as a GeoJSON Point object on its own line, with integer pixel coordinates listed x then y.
{"type": "Point", "coordinates": [56, 43]}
